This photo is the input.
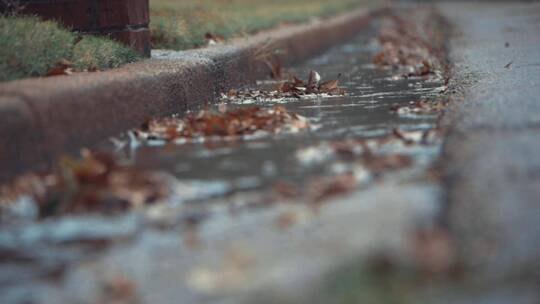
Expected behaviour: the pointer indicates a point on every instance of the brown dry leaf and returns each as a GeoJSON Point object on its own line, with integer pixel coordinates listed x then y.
{"type": "Point", "coordinates": [419, 107]}
{"type": "Point", "coordinates": [62, 67]}
{"type": "Point", "coordinates": [293, 88]}
{"type": "Point", "coordinates": [286, 87]}
{"type": "Point", "coordinates": [95, 183]}
{"type": "Point", "coordinates": [212, 39]}
{"type": "Point", "coordinates": [35, 184]}
{"type": "Point", "coordinates": [324, 188]}
{"type": "Point", "coordinates": [313, 85]}
{"type": "Point", "coordinates": [232, 93]}
{"type": "Point", "coordinates": [379, 59]}
{"type": "Point", "coordinates": [405, 49]}
{"type": "Point", "coordinates": [287, 190]}
{"type": "Point", "coordinates": [286, 220]}
{"type": "Point", "coordinates": [231, 123]}
{"type": "Point", "coordinates": [274, 64]}
{"type": "Point", "coordinates": [329, 86]}
{"type": "Point", "coordinates": [234, 272]}
{"type": "Point", "coordinates": [222, 108]}
{"type": "Point", "coordinates": [434, 251]}
{"type": "Point", "coordinates": [382, 163]}
{"type": "Point", "coordinates": [103, 185]}
{"type": "Point", "coordinates": [345, 149]}
{"type": "Point", "coordinates": [296, 82]}
{"type": "Point", "coordinates": [119, 289]}
{"type": "Point", "coordinates": [399, 135]}
{"type": "Point", "coordinates": [191, 238]}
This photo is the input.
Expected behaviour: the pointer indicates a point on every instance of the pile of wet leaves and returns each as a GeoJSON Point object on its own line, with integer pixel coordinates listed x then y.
{"type": "Point", "coordinates": [94, 183]}
{"type": "Point", "coordinates": [224, 123]}
{"type": "Point", "coordinates": [366, 149]}
{"type": "Point", "coordinates": [359, 161]}
{"type": "Point", "coordinates": [293, 88]}
{"type": "Point", "coordinates": [420, 107]}
{"type": "Point", "coordinates": [405, 49]}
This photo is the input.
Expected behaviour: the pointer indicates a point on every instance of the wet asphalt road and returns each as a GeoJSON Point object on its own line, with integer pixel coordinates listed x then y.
{"type": "Point", "coordinates": [493, 148]}
{"type": "Point", "coordinates": [492, 195]}
{"type": "Point", "coordinates": [258, 163]}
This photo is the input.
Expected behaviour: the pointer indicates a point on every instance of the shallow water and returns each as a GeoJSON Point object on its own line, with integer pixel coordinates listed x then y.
{"type": "Point", "coordinates": [258, 163]}
{"type": "Point", "coordinates": [214, 169]}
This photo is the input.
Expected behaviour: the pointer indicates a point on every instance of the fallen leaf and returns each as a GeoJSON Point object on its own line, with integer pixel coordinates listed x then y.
{"type": "Point", "coordinates": [274, 64]}
{"type": "Point", "coordinates": [293, 88]}
{"type": "Point", "coordinates": [212, 39]}
{"type": "Point", "coordinates": [405, 49]}
{"type": "Point", "coordinates": [419, 107]}
{"type": "Point", "coordinates": [226, 123]}
{"type": "Point", "coordinates": [399, 135]}
{"type": "Point", "coordinates": [331, 87]}
{"type": "Point", "coordinates": [94, 183]}
{"type": "Point", "coordinates": [62, 67]}
{"type": "Point", "coordinates": [286, 220]}
{"type": "Point", "coordinates": [434, 251]}
{"type": "Point", "coordinates": [119, 289]}
{"type": "Point", "coordinates": [287, 190]}
{"type": "Point", "coordinates": [324, 188]}
{"type": "Point", "coordinates": [382, 163]}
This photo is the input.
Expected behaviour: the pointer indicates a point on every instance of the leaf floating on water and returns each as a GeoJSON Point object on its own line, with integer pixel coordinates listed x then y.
{"type": "Point", "coordinates": [95, 183]}
{"type": "Point", "coordinates": [331, 87]}
{"type": "Point", "coordinates": [274, 64]}
{"type": "Point", "coordinates": [434, 252]}
{"type": "Point", "coordinates": [399, 135]}
{"type": "Point", "coordinates": [297, 82]}
{"type": "Point", "coordinates": [313, 85]}
{"type": "Point", "coordinates": [226, 123]}
{"type": "Point", "coordinates": [388, 162]}
{"type": "Point", "coordinates": [324, 188]}
{"type": "Point", "coordinates": [404, 48]}
{"type": "Point", "coordinates": [293, 88]}
{"type": "Point", "coordinates": [419, 107]}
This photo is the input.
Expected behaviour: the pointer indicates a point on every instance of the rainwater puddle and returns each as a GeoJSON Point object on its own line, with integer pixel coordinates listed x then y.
{"type": "Point", "coordinates": [363, 113]}
{"type": "Point", "coordinates": [208, 171]}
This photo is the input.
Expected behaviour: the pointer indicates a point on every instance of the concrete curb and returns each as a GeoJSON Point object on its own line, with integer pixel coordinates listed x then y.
{"type": "Point", "coordinates": [42, 118]}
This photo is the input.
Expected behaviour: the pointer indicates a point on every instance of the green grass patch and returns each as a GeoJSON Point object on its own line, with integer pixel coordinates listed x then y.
{"type": "Point", "coordinates": [183, 24]}
{"type": "Point", "coordinates": [99, 53]}
{"type": "Point", "coordinates": [31, 47]}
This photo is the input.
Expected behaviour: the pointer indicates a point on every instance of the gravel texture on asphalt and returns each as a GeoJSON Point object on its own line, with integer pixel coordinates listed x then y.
{"type": "Point", "coordinates": [493, 165]}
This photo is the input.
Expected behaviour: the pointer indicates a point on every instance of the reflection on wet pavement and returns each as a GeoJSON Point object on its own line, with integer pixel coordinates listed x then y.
{"type": "Point", "coordinates": [258, 163]}
{"type": "Point", "coordinates": [227, 174]}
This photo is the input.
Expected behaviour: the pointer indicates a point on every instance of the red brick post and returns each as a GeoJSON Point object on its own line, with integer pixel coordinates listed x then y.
{"type": "Point", "coordinates": [122, 20]}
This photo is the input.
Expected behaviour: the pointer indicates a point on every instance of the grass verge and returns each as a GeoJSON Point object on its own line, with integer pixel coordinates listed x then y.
{"type": "Point", "coordinates": [31, 47]}
{"type": "Point", "coordinates": [183, 24]}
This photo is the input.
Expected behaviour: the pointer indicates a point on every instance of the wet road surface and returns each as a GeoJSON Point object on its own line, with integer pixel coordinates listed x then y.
{"type": "Point", "coordinates": [364, 112]}
{"type": "Point", "coordinates": [241, 251]}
